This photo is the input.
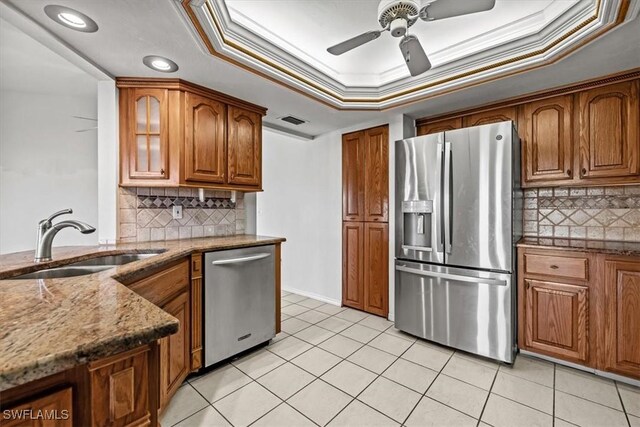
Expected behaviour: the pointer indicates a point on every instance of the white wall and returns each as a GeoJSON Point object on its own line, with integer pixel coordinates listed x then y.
{"type": "Point", "coordinates": [302, 201]}
{"type": "Point", "coordinates": [45, 165]}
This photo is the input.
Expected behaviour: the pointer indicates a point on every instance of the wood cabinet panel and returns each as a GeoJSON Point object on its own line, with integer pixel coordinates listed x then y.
{"type": "Point", "coordinates": [175, 350]}
{"type": "Point", "coordinates": [120, 389]}
{"type": "Point", "coordinates": [376, 272]}
{"type": "Point", "coordinates": [546, 127]}
{"type": "Point", "coordinates": [557, 266]}
{"type": "Point", "coordinates": [622, 318]}
{"type": "Point", "coordinates": [196, 311]}
{"type": "Point", "coordinates": [609, 134]}
{"type": "Point", "coordinates": [58, 404]}
{"type": "Point", "coordinates": [205, 139]}
{"type": "Point", "coordinates": [353, 175]}
{"type": "Point", "coordinates": [491, 116]}
{"type": "Point", "coordinates": [557, 319]}
{"type": "Point", "coordinates": [162, 286]}
{"type": "Point", "coordinates": [144, 136]}
{"type": "Point", "coordinates": [376, 174]}
{"type": "Point", "coordinates": [353, 264]}
{"type": "Point", "coordinates": [244, 147]}
{"type": "Point", "coordinates": [439, 126]}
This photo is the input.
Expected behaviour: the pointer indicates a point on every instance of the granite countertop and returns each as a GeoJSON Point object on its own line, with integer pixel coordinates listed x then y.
{"type": "Point", "coordinates": [50, 325]}
{"type": "Point", "coordinates": [599, 246]}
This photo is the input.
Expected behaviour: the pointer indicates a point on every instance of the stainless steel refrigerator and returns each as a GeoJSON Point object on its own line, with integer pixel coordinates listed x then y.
{"type": "Point", "coordinates": [458, 218]}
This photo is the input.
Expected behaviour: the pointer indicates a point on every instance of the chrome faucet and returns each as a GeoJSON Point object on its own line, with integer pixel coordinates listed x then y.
{"type": "Point", "coordinates": [47, 231]}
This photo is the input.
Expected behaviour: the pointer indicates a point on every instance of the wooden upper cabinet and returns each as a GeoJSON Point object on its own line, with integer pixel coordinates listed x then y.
{"type": "Point", "coordinates": [557, 319]}
{"type": "Point", "coordinates": [205, 140]}
{"type": "Point", "coordinates": [376, 272]}
{"type": "Point", "coordinates": [144, 133]}
{"type": "Point", "coordinates": [609, 134]}
{"type": "Point", "coordinates": [376, 174]}
{"type": "Point", "coordinates": [546, 128]}
{"type": "Point", "coordinates": [438, 126]}
{"type": "Point", "coordinates": [491, 116]}
{"type": "Point", "coordinates": [353, 264]}
{"type": "Point", "coordinates": [244, 145]}
{"type": "Point", "coordinates": [177, 134]}
{"type": "Point", "coordinates": [353, 165]}
{"type": "Point", "coordinates": [622, 317]}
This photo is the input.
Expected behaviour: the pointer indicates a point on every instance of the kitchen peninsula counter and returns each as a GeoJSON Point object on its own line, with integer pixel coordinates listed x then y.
{"type": "Point", "coordinates": [50, 325]}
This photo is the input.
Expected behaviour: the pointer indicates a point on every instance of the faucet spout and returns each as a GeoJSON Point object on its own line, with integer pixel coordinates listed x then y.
{"type": "Point", "coordinates": [47, 231]}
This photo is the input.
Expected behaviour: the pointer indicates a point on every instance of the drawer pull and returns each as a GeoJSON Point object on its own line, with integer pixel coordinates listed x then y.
{"type": "Point", "coordinates": [554, 267]}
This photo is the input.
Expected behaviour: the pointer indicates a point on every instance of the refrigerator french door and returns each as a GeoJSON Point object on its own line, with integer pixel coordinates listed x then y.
{"type": "Point", "coordinates": [456, 227]}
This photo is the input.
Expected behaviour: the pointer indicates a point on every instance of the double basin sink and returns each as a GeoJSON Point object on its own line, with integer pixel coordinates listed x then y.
{"type": "Point", "coordinates": [88, 266]}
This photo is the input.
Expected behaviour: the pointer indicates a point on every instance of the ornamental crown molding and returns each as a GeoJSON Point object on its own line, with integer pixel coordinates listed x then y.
{"type": "Point", "coordinates": [515, 47]}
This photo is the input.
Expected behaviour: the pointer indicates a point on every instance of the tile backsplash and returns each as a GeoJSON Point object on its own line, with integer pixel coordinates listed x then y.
{"type": "Point", "coordinates": [602, 213]}
{"type": "Point", "coordinates": [145, 214]}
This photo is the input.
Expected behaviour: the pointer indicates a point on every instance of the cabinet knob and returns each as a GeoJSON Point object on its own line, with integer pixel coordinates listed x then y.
{"type": "Point", "coordinates": [569, 172]}
{"type": "Point", "coordinates": [584, 171]}
{"type": "Point", "coordinates": [161, 171]}
{"type": "Point", "coordinates": [554, 267]}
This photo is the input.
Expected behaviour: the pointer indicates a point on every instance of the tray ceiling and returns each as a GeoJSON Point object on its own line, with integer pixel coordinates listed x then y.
{"type": "Point", "coordinates": [286, 41]}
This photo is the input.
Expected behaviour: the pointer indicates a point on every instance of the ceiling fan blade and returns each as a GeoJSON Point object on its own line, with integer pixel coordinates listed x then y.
{"type": "Point", "coordinates": [414, 56]}
{"type": "Point", "coordinates": [354, 42]}
{"type": "Point", "coordinates": [442, 9]}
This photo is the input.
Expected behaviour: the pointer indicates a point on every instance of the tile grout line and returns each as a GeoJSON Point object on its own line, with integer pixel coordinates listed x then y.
{"type": "Point", "coordinates": [427, 390]}
{"type": "Point", "coordinates": [553, 408]}
{"type": "Point", "coordinates": [488, 396]}
{"type": "Point", "coordinates": [624, 410]}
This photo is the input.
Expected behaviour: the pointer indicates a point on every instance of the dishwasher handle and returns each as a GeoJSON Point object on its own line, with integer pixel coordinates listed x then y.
{"type": "Point", "coordinates": [241, 259]}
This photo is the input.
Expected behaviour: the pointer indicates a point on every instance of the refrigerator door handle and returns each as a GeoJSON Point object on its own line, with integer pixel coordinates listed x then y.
{"type": "Point", "coordinates": [447, 197]}
{"type": "Point", "coordinates": [438, 210]}
{"type": "Point", "coordinates": [449, 276]}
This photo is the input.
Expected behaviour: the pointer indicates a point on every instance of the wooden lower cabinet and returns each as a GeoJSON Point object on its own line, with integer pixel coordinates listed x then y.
{"type": "Point", "coordinates": [115, 391]}
{"type": "Point", "coordinates": [365, 266]}
{"type": "Point", "coordinates": [588, 314]}
{"type": "Point", "coordinates": [170, 289]}
{"type": "Point", "coordinates": [376, 268]}
{"type": "Point", "coordinates": [120, 391]}
{"type": "Point", "coordinates": [622, 317]}
{"type": "Point", "coordinates": [353, 264]}
{"type": "Point", "coordinates": [55, 407]}
{"type": "Point", "coordinates": [175, 351]}
{"type": "Point", "coordinates": [557, 319]}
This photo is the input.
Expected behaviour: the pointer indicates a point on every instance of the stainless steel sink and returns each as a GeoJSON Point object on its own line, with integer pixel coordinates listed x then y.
{"type": "Point", "coordinates": [87, 266]}
{"type": "Point", "coordinates": [66, 271]}
{"type": "Point", "coordinates": [113, 260]}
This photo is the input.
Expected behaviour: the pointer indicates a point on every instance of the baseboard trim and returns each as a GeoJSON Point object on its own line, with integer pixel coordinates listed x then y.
{"type": "Point", "coordinates": [598, 372]}
{"type": "Point", "coordinates": [314, 296]}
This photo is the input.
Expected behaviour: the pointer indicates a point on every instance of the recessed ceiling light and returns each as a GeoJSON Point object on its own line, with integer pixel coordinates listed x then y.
{"type": "Point", "coordinates": [71, 18]}
{"type": "Point", "coordinates": [160, 63]}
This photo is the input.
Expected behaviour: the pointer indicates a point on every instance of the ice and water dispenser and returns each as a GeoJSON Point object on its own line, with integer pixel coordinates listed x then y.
{"type": "Point", "coordinates": [417, 224]}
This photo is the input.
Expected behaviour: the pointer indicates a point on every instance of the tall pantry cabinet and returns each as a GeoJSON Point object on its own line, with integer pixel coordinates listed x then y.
{"type": "Point", "coordinates": [365, 217]}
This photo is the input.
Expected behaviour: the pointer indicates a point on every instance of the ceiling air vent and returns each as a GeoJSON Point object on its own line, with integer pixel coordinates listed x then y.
{"type": "Point", "coordinates": [293, 120]}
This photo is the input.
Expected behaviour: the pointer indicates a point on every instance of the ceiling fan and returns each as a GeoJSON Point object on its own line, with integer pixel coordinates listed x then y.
{"type": "Point", "coordinates": [396, 16]}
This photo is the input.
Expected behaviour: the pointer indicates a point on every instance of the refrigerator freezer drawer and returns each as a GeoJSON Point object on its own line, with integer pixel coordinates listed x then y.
{"type": "Point", "coordinates": [239, 307]}
{"type": "Point", "coordinates": [466, 309]}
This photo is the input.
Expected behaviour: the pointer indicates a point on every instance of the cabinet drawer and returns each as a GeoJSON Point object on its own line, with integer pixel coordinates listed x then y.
{"type": "Point", "coordinates": [160, 287]}
{"type": "Point", "coordinates": [569, 267]}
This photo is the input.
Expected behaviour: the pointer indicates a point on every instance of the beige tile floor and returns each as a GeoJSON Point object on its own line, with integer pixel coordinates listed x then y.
{"type": "Point", "coordinates": [341, 367]}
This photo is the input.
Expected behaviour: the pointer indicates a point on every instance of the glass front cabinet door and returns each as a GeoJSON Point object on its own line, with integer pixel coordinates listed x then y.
{"type": "Point", "coordinates": [148, 134]}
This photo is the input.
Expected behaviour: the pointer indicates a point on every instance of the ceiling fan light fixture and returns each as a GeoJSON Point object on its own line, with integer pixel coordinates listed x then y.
{"type": "Point", "coordinates": [71, 18]}
{"type": "Point", "coordinates": [398, 27]}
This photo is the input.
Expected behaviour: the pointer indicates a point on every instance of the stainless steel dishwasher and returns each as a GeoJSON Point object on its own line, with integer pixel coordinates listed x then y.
{"type": "Point", "coordinates": [239, 301]}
